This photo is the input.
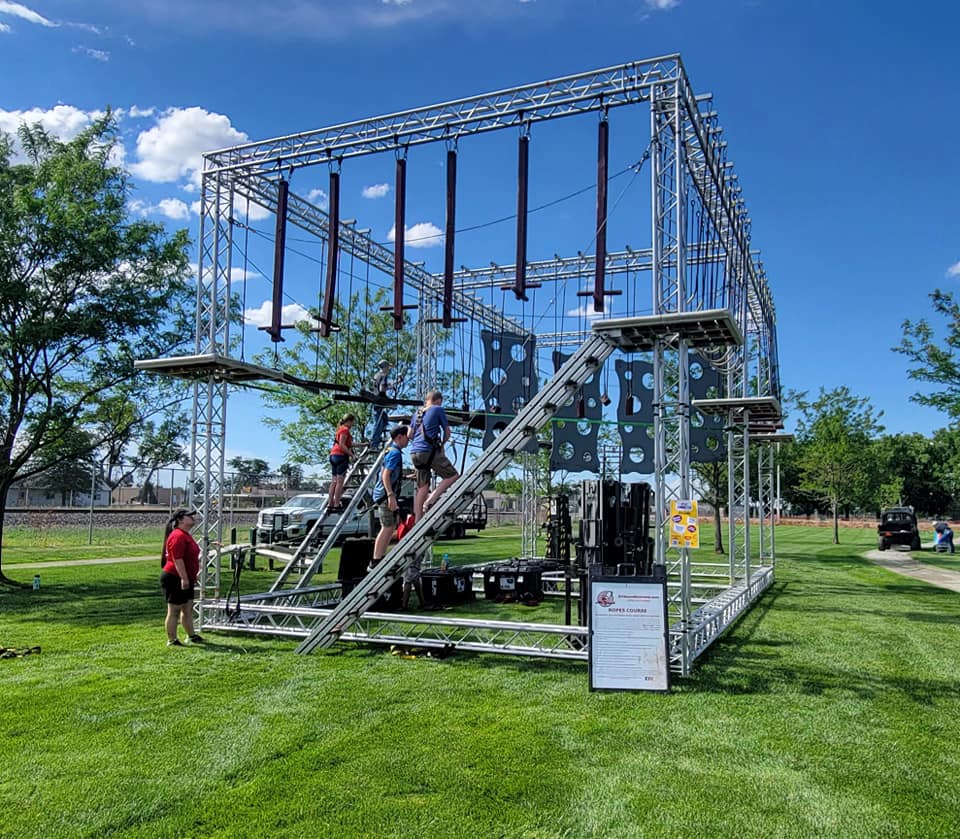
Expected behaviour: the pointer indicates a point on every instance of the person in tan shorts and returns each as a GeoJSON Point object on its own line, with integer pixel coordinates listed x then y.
{"type": "Point", "coordinates": [429, 433]}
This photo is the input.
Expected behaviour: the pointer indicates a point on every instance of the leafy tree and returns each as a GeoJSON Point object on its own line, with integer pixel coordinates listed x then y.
{"type": "Point", "coordinates": [84, 291]}
{"type": "Point", "coordinates": [63, 470]}
{"type": "Point", "coordinates": [349, 357]}
{"type": "Point", "coordinates": [248, 472]}
{"type": "Point", "coordinates": [910, 465]}
{"type": "Point", "coordinates": [935, 361]}
{"type": "Point", "coordinates": [711, 479]}
{"type": "Point", "coordinates": [834, 454]}
{"type": "Point", "coordinates": [291, 474]}
{"type": "Point", "coordinates": [160, 445]}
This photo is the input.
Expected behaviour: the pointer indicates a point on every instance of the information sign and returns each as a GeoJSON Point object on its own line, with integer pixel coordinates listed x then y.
{"type": "Point", "coordinates": [628, 634]}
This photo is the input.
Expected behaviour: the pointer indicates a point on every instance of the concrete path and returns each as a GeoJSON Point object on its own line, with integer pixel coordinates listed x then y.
{"type": "Point", "coordinates": [64, 563]}
{"type": "Point", "coordinates": [901, 562]}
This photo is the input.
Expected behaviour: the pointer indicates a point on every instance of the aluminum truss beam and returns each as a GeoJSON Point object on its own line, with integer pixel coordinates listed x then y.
{"type": "Point", "coordinates": [592, 91]}
{"type": "Point", "coordinates": [208, 430]}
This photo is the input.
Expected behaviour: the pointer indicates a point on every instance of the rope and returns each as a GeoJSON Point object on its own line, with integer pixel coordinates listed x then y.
{"type": "Point", "coordinates": [233, 612]}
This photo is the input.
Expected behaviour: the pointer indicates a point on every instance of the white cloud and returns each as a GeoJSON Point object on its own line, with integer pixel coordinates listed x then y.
{"type": "Point", "coordinates": [61, 121]}
{"type": "Point", "coordinates": [584, 311]}
{"type": "Point", "coordinates": [237, 275]}
{"type": "Point", "coordinates": [171, 208]}
{"type": "Point", "coordinates": [318, 197]}
{"type": "Point", "coordinates": [396, 2]}
{"type": "Point", "coordinates": [174, 147]}
{"type": "Point", "coordinates": [4, 27]}
{"type": "Point", "coordinates": [22, 12]}
{"type": "Point", "coordinates": [262, 316]}
{"type": "Point", "coordinates": [424, 234]}
{"type": "Point", "coordinates": [141, 113]}
{"type": "Point", "coordinates": [96, 55]}
{"type": "Point", "coordinates": [954, 270]}
{"type": "Point", "coordinates": [376, 191]}
{"type": "Point", "coordinates": [662, 4]}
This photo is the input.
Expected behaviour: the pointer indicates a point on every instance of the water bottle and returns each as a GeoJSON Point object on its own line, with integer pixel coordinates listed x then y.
{"type": "Point", "coordinates": [36, 582]}
{"type": "Point", "coordinates": [445, 563]}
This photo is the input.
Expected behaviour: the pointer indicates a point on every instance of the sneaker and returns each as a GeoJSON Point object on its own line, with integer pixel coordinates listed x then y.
{"type": "Point", "coordinates": [176, 642]}
{"type": "Point", "coordinates": [197, 639]}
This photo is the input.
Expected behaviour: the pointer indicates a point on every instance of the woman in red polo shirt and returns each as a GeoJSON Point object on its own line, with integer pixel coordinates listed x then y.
{"type": "Point", "coordinates": [181, 569]}
{"type": "Point", "coordinates": [340, 455]}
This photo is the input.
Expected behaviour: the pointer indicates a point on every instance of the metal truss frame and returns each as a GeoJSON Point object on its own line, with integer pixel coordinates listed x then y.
{"type": "Point", "coordinates": [689, 163]}
{"type": "Point", "coordinates": [766, 489]}
{"type": "Point", "coordinates": [528, 505]}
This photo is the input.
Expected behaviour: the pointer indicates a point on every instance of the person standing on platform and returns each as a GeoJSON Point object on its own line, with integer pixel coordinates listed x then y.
{"type": "Point", "coordinates": [429, 433]}
{"type": "Point", "coordinates": [386, 493]}
{"type": "Point", "coordinates": [381, 385]}
{"type": "Point", "coordinates": [340, 455]}
{"type": "Point", "coordinates": [180, 561]}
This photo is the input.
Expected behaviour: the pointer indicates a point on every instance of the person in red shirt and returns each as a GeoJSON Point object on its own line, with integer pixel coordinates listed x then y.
{"type": "Point", "coordinates": [181, 569]}
{"type": "Point", "coordinates": [340, 456]}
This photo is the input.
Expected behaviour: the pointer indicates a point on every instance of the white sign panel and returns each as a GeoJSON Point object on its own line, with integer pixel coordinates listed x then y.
{"type": "Point", "coordinates": [628, 635]}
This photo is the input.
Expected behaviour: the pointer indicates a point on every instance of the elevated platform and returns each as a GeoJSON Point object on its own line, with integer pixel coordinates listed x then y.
{"type": "Point", "coordinates": [771, 437]}
{"type": "Point", "coordinates": [700, 329]}
{"type": "Point", "coordinates": [236, 372]}
{"type": "Point", "coordinates": [762, 414]}
{"type": "Point", "coordinates": [226, 369]}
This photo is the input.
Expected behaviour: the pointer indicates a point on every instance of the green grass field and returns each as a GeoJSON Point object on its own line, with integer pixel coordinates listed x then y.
{"type": "Point", "coordinates": [30, 544]}
{"type": "Point", "coordinates": [831, 709]}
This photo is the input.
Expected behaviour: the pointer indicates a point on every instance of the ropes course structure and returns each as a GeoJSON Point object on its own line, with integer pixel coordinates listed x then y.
{"type": "Point", "coordinates": [697, 354]}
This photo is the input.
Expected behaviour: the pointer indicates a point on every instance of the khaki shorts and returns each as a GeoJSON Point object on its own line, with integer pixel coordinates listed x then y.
{"type": "Point", "coordinates": [388, 517]}
{"type": "Point", "coordinates": [440, 466]}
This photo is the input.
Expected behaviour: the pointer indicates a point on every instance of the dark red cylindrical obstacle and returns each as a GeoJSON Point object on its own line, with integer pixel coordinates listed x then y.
{"type": "Point", "coordinates": [600, 267]}
{"type": "Point", "coordinates": [523, 157]}
{"type": "Point", "coordinates": [279, 252]}
{"type": "Point", "coordinates": [399, 229]}
{"type": "Point", "coordinates": [333, 255]}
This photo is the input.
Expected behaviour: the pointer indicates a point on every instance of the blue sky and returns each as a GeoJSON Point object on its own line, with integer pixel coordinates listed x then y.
{"type": "Point", "coordinates": [840, 116]}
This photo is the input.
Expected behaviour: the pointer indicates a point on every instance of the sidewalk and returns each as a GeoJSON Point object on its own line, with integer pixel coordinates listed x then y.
{"type": "Point", "coordinates": [65, 563]}
{"type": "Point", "coordinates": [901, 562]}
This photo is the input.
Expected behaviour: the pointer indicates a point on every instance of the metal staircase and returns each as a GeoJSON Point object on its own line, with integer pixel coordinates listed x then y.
{"type": "Point", "coordinates": [298, 571]}
{"type": "Point", "coordinates": [524, 427]}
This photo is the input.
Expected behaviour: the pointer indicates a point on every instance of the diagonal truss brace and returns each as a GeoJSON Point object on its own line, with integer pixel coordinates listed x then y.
{"type": "Point", "coordinates": [541, 408]}
{"type": "Point", "coordinates": [316, 564]}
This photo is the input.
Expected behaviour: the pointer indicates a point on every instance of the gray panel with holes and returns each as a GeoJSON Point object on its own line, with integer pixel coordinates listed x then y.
{"type": "Point", "coordinates": [707, 438]}
{"type": "Point", "coordinates": [576, 426]}
{"type": "Point", "coordinates": [509, 380]}
{"type": "Point", "coordinates": [635, 416]}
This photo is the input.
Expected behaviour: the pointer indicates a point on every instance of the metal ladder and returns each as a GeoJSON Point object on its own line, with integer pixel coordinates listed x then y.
{"type": "Point", "coordinates": [524, 426]}
{"type": "Point", "coordinates": [294, 565]}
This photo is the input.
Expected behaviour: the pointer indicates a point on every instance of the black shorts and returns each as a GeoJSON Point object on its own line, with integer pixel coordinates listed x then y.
{"type": "Point", "coordinates": [170, 583]}
{"type": "Point", "coordinates": [339, 464]}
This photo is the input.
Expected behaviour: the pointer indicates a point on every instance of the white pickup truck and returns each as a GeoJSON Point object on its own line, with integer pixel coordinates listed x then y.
{"type": "Point", "coordinates": [293, 520]}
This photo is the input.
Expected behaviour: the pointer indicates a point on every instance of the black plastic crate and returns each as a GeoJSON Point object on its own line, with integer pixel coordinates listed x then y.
{"type": "Point", "coordinates": [448, 588]}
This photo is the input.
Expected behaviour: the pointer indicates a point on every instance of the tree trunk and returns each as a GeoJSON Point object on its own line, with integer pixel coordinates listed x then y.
{"type": "Point", "coordinates": [717, 520]}
{"type": "Point", "coordinates": [836, 522]}
{"type": "Point", "coordinates": [4, 579]}
{"type": "Point", "coordinates": [717, 530]}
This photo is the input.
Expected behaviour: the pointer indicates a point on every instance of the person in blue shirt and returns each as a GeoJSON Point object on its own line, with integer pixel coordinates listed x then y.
{"type": "Point", "coordinates": [429, 432]}
{"type": "Point", "coordinates": [944, 536]}
{"type": "Point", "coordinates": [387, 491]}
